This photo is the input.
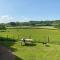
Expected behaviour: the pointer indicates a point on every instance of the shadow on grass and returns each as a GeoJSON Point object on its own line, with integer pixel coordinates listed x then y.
{"type": "Point", "coordinates": [55, 42]}
{"type": "Point", "coordinates": [7, 42]}
{"type": "Point", "coordinates": [6, 49]}
{"type": "Point", "coordinates": [17, 58]}
{"type": "Point", "coordinates": [33, 44]}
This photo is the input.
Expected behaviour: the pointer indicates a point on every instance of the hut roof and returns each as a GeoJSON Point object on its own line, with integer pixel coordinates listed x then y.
{"type": "Point", "coordinates": [27, 39]}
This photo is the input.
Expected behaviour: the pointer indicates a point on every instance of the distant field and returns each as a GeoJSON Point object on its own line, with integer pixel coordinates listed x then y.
{"type": "Point", "coordinates": [38, 52]}
{"type": "Point", "coordinates": [38, 27]}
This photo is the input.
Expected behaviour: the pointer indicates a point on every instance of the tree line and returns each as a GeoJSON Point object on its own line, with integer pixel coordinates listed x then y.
{"type": "Point", "coordinates": [55, 23]}
{"type": "Point", "coordinates": [35, 23]}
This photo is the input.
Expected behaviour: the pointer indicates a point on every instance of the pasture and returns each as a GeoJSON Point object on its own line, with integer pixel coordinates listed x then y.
{"type": "Point", "coordinates": [38, 52]}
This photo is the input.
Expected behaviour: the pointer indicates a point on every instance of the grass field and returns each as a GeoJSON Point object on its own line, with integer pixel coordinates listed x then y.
{"type": "Point", "coordinates": [36, 34]}
{"type": "Point", "coordinates": [38, 52]}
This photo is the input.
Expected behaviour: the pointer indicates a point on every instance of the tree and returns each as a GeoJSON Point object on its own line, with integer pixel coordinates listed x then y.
{"type": "Point", "coordinates": [18, 24]}
{"type": "Point", "coordinates": [2, 27]}
{"type": "Point", "coordinates": [12, 23]}
{"type": "Point", "coordinates": [57, 26]}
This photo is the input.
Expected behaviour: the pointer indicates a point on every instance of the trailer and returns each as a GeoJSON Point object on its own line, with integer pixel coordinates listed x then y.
{"type": "Point", "coordinates": [26, 41]}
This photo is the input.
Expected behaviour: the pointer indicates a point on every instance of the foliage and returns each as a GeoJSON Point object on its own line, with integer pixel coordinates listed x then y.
{"type": "Point", "coordinates": [12, 23]}
{"type": "Point", "coordinates": [34, 23]}
{"type": "Point", "coordinates": [57, 26]}
{"type": "Point", "coordinates": [2, 27]}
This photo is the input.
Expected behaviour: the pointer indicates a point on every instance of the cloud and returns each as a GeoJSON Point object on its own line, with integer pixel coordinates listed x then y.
{"type": "Point", "coordinates": [6, 19]}
{"type": "Point", "coordinates": [23, 19]}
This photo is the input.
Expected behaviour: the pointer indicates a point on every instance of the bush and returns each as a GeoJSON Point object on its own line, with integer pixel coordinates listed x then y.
{"type": "Point", "coordinates": [2, 27]}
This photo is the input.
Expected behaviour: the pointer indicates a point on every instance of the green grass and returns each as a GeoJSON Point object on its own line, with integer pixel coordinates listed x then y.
{"type": "Point", "coordinates": [38, 52]}
{"type": "Point", "coordinates": [36, 34]}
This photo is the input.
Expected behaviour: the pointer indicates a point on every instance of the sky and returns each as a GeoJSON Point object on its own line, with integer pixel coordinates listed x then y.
{"type": "Point", "coordinates": [28, 10]}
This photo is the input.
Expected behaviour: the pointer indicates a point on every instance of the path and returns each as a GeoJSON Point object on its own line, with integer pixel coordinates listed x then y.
{"type": "Point", "coordinates": [6, 54]}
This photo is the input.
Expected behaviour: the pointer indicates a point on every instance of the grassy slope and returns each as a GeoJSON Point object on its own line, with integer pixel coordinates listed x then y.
{"type": "Point", "coordinates": [38, 52]}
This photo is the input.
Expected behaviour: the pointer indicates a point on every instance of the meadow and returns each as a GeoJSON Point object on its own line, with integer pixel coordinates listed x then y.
{"type": "Point", "coordinates": [40, 51]}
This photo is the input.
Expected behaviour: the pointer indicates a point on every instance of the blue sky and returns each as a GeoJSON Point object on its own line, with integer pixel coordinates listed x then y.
{"type": "Point", "coordinates": [26, 10]}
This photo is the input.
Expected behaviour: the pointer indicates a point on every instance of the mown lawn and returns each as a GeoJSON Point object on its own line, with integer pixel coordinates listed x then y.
{"type": "Point", "coordinates": [38, 52]}
{"type": "Point", "coordinates": [36, 34]}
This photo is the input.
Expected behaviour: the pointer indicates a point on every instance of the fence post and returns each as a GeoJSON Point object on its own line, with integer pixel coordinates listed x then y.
{"type": "Point", "coordinates": [48, 40]}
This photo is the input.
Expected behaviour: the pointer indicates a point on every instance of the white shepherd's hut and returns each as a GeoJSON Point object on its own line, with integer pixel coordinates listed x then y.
{"type": "Point", "coordinates": [26, 41]}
